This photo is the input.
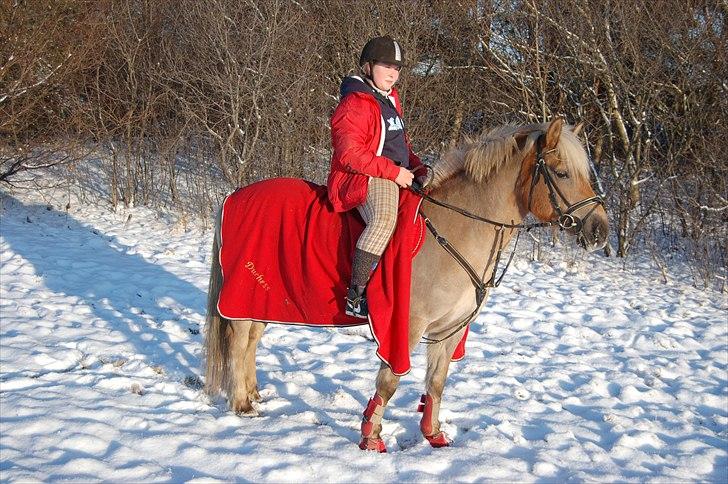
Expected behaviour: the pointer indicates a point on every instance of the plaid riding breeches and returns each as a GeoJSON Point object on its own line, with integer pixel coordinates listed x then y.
{"type": "Point", "coordinates": [379, 212]}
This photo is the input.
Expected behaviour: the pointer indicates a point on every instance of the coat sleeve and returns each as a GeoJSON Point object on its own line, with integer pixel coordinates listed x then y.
{"type": "Point", "coordinates": [351, 143]}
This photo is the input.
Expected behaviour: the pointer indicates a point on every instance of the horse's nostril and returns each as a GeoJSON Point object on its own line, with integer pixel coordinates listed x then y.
{"type": "Point", "coordinates": [597, 232]}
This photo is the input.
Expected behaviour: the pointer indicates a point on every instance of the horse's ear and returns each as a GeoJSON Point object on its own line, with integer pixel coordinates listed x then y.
{"type": "Point", "coordinates": [553, 132]}
{"type": "Point", "coordinates": [578, 129]}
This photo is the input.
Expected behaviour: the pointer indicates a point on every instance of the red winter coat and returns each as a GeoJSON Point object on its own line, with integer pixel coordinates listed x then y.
{"type": "Point", "coordinates": [357, 137]}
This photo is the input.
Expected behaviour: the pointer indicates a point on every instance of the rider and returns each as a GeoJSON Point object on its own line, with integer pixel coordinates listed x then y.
{"type": "Point", "coordinates": [372, 158]}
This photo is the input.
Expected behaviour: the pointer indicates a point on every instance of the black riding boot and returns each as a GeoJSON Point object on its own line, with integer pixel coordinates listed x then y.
{"type": "Point", "coordinates": [356, 302]}
{"type": "Point", "coordinates": [362, 268]}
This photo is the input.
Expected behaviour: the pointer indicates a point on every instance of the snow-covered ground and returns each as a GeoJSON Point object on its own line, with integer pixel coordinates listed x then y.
{"type": "Point", "coordinates": [579, 369]}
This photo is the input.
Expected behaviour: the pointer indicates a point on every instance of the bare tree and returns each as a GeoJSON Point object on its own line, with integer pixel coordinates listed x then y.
{"type": "Point", "coordinates": [207, 95]}
{"type": "Point", "coordinates": [39, 54]}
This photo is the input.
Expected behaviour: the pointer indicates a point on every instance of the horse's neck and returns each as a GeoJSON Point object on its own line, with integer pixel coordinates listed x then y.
{"type": "Point", "coordinates": [476, 241]}
{"type": "Point", "coordinates": [495, 199]}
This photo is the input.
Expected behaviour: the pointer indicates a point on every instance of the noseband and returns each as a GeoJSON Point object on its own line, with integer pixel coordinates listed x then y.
{"type": "Point", "coordinates": [566, 220]}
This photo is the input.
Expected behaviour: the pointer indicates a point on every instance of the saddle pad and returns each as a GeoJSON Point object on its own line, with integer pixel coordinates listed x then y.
{"type": "Point", "coordinates": [286, 257]}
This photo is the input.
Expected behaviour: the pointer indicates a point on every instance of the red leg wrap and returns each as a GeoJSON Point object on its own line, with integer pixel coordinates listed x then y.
{"type": "Point", "coordinates": [438, 440]}
{"type": "Point", "coordinates": [372, 416]}
{"type": "Point", "coordinates": [427, 407]}
{"type": "Point", "coordinates": [376, 445]}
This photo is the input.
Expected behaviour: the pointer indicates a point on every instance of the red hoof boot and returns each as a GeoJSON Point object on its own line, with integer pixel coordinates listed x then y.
{"type": "Point", "coordinates": [438, 440]}
{"type": "Point", "coordinates": [430, 411]}
{"type": "Point", "coordinates": [372, 444]}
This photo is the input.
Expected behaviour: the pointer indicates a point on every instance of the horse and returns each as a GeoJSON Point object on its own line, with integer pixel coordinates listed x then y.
{"type": "Point", "coordinates": [482, 190]}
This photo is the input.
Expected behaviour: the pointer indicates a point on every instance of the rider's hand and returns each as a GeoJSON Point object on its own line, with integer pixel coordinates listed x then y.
{"type": "Point", "coordinates": [423, 175]}
{"type": "Point", "coordinates": [404, 178]}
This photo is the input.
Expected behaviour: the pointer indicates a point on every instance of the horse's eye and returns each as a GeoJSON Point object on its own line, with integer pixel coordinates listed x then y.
{"type": "Point", "coordinates": [562, 174]}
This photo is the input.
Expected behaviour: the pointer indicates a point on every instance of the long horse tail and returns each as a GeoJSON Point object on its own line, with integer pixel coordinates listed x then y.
{"type": "Point", "coordinates": [216, 340]}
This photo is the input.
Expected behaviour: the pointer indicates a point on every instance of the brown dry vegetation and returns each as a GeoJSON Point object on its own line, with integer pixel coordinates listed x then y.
{"type": "Point", "coordinates": [197, 91]}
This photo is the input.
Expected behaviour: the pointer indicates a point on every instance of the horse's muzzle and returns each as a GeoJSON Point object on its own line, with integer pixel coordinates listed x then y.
{"type": "Point", "coordinates": [594, 232]}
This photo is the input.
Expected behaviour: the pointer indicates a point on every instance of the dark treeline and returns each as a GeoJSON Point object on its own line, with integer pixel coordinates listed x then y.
{"type": "Point", "coordinates": [196, 91]}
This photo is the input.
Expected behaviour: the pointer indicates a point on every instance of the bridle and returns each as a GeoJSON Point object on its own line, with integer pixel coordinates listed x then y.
{"type": "Point", "coordinates": [566, 220]}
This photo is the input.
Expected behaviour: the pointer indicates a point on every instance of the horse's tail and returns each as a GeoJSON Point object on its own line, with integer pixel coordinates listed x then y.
{"type": "Point", "coordinates": [216, 341]}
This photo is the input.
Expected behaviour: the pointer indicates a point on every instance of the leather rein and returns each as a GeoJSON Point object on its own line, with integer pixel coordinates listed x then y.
{"type": "Point", "coordinates": [566, 220]}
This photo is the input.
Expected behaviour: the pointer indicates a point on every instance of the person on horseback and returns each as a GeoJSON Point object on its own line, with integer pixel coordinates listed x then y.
{"type": "Point", "coordinates": [372, 158]}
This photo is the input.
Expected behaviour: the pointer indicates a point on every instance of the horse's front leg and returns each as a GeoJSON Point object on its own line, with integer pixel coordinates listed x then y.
{"type": "Point", "coordinates": [438, 363]}
{"type": "Point", "coordinates": [387, 382]}
{"type": "Point", "coordinates": [371, 424]}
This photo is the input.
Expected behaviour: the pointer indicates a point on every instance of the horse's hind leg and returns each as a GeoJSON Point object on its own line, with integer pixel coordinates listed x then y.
{"type": "Point", "coordinates": [237, 391]}
{"type": "Point", "coordinates": [438, 363]}
{"type": "Point", "coordinates": [251, 378]}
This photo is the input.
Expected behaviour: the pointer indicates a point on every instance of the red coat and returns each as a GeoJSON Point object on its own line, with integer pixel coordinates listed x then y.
{"type": "Point", "coordinates": [357, 137]}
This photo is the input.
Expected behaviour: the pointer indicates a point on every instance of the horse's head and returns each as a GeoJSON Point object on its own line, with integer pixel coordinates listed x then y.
{"type": "Point", "coordinates": [554, 184]}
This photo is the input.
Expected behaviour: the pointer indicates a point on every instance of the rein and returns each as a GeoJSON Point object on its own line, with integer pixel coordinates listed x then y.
{"type": "Point", "coordinates": [566, 220]}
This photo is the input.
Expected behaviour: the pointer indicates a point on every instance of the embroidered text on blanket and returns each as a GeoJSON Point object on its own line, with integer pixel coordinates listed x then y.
{"type": "Point", "coordinates": [258, 276]}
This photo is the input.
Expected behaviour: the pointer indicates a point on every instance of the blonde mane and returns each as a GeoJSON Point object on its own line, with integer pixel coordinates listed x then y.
{"type": "Point", "coordinates": [482, 156]}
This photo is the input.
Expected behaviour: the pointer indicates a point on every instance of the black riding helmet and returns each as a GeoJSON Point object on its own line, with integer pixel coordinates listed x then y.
{"type": "Point", "coordinates": [382, 49]}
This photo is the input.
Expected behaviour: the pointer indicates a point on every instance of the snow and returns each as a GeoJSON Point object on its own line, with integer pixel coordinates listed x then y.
{"type": "Point", "coordinates": [580, 368]}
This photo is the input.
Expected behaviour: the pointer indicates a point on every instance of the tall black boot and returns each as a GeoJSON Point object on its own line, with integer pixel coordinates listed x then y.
{"type": "Point", "coordinates": [356, 300]}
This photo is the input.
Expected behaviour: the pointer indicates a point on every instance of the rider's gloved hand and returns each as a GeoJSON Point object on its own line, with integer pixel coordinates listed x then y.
{"type": "Point", "coordinates": [424, 175]}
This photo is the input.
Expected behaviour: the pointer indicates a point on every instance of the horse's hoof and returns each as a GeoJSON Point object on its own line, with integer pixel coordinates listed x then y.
{"type": "Point", "coordinates": [438, 440]}
{"type": "Point", "coordinates": [245, 410]}
{"type": "Point", "coordinates": [377, 445]}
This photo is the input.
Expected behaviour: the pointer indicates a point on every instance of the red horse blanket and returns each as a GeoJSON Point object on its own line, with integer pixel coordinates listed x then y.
{"type": "Point", "coordinates": [286, 257]}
